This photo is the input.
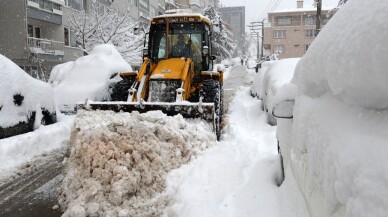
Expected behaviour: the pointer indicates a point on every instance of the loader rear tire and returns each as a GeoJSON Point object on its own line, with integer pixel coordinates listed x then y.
{"type": "Point", "coordinates": [120, 90]}
{"type": "Point", "coordinates": [212, 92]}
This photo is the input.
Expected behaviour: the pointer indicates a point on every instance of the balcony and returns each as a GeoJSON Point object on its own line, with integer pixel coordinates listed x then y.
{"type": "Point", "coordinates": [45, 10]}
{"type": "Point", "coordinates": [45, 46]}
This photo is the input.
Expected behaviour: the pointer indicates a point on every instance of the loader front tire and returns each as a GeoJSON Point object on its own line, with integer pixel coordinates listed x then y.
{"type": "Point", "coordinates": [120, 90]}
{"type": "Point", "coordinates": [212, 92]}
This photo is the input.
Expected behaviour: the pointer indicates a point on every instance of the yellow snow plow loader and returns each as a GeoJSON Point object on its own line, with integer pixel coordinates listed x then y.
{"type": "Point", "coordinates": [176, 76]}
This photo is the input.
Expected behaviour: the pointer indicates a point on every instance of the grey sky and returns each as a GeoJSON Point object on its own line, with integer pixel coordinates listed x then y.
{"type": "Point", "coordinates": [255, 9]}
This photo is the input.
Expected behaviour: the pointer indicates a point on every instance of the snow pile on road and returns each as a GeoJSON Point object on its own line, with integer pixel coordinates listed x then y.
{"type": "Point", "coordinates": [13, 82]}
{"type": "Point", "coordinates": [89, 76]}
{"type": "Point", "coordinates": [119, 161]}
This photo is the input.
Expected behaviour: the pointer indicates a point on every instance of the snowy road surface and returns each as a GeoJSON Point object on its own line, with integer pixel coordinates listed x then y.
{"type": "Point", "coordinates": [235, 178]}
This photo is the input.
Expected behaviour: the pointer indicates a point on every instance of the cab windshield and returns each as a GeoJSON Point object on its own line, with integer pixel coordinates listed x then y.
{"type": "Point", "coordinates": [184, 40]}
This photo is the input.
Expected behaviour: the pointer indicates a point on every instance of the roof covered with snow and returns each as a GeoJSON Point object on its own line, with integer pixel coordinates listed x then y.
{"type": "Point", "coordinates": [299, 10]}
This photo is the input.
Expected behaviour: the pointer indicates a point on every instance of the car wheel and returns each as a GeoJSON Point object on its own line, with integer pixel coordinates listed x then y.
{"type": "Point", "coordinates": [271, 120]}
{"type": "Point", "coordinates": [48, 117]}
{"type": "Point", "coordinates": [280, 177]}
{"type": "Point", "coordinates": [212, 92]}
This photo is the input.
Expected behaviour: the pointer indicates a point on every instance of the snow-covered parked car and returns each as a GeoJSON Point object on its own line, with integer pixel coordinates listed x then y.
{"type": "Point", "coordinates": [251, 63]}
{"type": "Point", "coordinates": [227, 63]}
{"type": "Point", "coordinates": [89, 77]}
{"type": "Point", "coordinates": [335, 142]}
{"type": "Point", "coordinates": [25, 102]}
{"type": "Point", "coordinates": [257, 86]}
{"type": "Point", "coordinates": [278, 74]}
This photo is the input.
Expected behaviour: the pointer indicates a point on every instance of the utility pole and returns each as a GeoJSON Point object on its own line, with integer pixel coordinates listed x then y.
{"type": "Point", "coordinates": [262, 40]}
{"type": "Point", "coordinates": [319, 16]}
{"type": "Point", "coordinates": [255, 27]}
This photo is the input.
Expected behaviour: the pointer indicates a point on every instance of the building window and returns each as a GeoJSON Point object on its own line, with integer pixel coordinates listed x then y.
{"type": "Point", "coordinates": [152, 12]}
{"type": "Point", "coordinates": [278, 48]}
{"type": "Point", "coordinates": [133, 2]}
{"type": "Point", "coordinates": [144, 4]}
{"type": "Point", "coordinates": [309, 20]}
{"type": "Point", "coordinates": [310, 33]}
{"type": "Point", "coordinates": [33, 31]}
{"type": "Point", "coordinates": [67, 36]}
{"type": "Point", "coordinates": [283, 21]}
{"type": "Point", "coordinates": [70, 38]}
{"type": "Point", "coordinates": [75, 4]}
{"type": "Point", "coordinates": [279, 33]}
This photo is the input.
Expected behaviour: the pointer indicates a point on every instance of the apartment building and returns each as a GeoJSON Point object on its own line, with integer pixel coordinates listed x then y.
{"type": "Point", "coordinates": [37, 34]}
{"type": "Point", "coordinates": [32, 34]}
{"type": "Point", "coordinates": [196, 6]}
{"type": "Point", "coordinates": [235, 18]}
{"type": "Point", "coordinates": [290, 32]}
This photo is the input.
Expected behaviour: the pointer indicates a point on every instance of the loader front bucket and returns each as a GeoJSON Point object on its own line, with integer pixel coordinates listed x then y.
{"type": "Point", "coordinates": [204, 111]}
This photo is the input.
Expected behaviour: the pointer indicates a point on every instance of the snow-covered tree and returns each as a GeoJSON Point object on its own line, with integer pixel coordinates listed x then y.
{"type": "Point", "coordinates": [111, 26]}
{"type": "Point", "coordinates": [341, 2]}
{"type": "Point", "coordinates": [222, 41]}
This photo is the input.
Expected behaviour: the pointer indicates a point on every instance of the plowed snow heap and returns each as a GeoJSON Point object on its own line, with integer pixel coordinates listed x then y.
{"type": "Point", "coordinates": [119, 161]}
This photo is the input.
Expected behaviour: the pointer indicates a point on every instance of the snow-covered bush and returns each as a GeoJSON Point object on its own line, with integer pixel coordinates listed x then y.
{"type": "Point", "coordinates": [336, 145]}
{"type": "Point", "coordinates": [88, 77]}
{"type": "Point", "coordinates": [22, 97]}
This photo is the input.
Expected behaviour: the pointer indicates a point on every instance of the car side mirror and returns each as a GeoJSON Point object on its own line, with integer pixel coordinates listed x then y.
{"type": "Point", "coordinates": [284, 109]}
{"type": "Point", "coordinates": [213, 57]}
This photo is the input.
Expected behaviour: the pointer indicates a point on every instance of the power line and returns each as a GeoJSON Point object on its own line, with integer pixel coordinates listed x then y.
{"type": "Point", "coordinates": [270, 7]}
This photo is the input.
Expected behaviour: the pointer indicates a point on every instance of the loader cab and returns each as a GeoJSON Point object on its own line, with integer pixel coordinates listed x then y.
{"type": "Point", "coordinates": [181, 37]}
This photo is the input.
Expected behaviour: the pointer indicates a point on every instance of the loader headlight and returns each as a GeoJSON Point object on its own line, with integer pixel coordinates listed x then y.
{"type": "Point", "coordinates": [145, 51]}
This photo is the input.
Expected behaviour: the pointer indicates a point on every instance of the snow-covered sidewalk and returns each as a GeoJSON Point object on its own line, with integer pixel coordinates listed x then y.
{"type": "Point", "coordinates": [238, 176]}
{"type": "Point", "coordinates": [18, 150]}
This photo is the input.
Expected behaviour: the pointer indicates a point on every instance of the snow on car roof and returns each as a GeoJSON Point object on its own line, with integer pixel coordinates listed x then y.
{"type": "Point", "coordinates": [88, 76]}
{"type": "Point", "coordinates": [349, 61]}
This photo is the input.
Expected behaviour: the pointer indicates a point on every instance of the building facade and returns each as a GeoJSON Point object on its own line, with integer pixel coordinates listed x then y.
{"type": "Point", "coordinates": [235, 18]}
{"type": "Point", "coordinates": [290, 32]}
{"type": "Point", "coordinates": [32, 34]}
{"type": "Point", "coordinates": [196, 6]}
{"type": "Point", "coordinates": [37, 34]}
